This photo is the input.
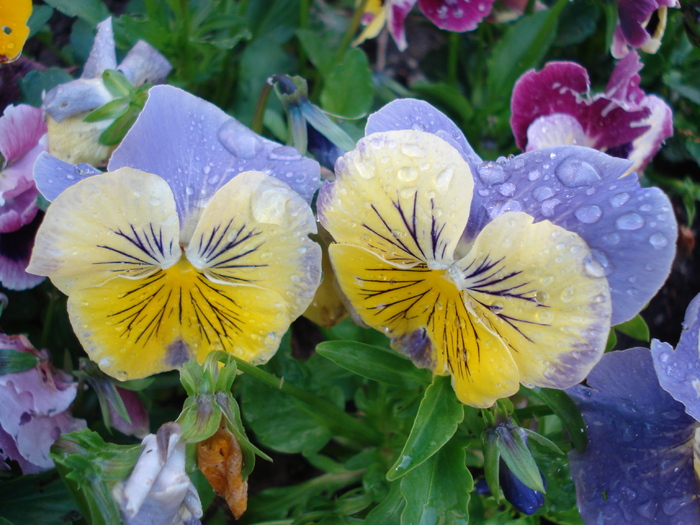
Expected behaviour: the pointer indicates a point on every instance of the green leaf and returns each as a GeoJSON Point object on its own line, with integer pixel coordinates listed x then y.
{"type": "Point", "coordinates": [577, 22]}
{"type": "Point", "coordinates": [523, 47]}
{"type": "Point", "coordinates": [33, 499]}
{"type": "Point", "coordinates": [35, 83]}
{"type": "Point", "coordinates": [373, 362]}
{"type": "Point", "coordinates": [612, 340]}
{"type": "Point", "coordinates": [319, 48]}
{"type": "Point", "coordinates": [38, 19]}
{"type": "Point", "coordinates": [388, 511]}
{"type": "Point", "coordinates": [13, 361]}
{"type": "Point", "coordinates": [519, 460]}
{"type": "Point", "coordinates": [636, 328]}
{"type": "Point", "coordinates": [110, 110]}
{"type": "Point", "coordinates": [92, 11]}
{"type": "Point", "coordinates": [437, 492]}
{"type": "Point", "coordinates": [438, 415]}
{"type": "Point", "coordinates": [348, 90]}
{"type": "Point", "coordinates": [567, 411]}
{"type": "Point", "coordinates": [117, 84]}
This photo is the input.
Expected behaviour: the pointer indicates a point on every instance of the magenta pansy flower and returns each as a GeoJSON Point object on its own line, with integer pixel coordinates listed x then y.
{"type": "Point", "coordinates": [554, 107]}
{"type": "Point", "coordinates": [34, 410]}
{"type": "Point", "coordinates": [22, 139]}
{"type": "Point", "coordinates": [641, 24]}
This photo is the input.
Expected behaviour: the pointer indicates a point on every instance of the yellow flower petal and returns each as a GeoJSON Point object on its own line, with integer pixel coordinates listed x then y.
{"type": "Point", "coordinates": [13, 28]}
{"type": "Point", "coordinates": [377, 16]}
{"type": "Point", "coordinates": [85, 241]}
{"type": "Point", "coordinates": [75, 141]}
{"type": "Point", "coordinates": [402, 194]}
{"type": "Point", "coordinates": [255, 231]}
{"type": "Point", "coordinates": [538, 288]}
{"type": "Point", "coordinates": [400, 300]}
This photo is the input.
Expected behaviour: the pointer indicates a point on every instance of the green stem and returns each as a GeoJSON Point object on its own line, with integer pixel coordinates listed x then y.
{"type": "Point", "coordinates": [339, 421]}
{"type": "Point", "coordinates": [452, 58]}
{"type": "Point", "coordinates": [350, 33]}
{"type": "Point", "coordinates": [260, 107]}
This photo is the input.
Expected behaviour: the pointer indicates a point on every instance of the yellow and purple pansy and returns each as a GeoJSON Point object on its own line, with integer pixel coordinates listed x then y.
{"type": "Point", "coordinates": [496, 273]}
{"type": "Point", "coordinates": [197, 239]}
{"type": "Point", "coordinates": [554, 107]}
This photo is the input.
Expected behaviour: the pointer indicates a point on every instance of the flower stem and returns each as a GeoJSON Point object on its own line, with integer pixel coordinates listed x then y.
{"type": "Point", "coordinates": [350, 33]}
{"type": "Point", "coordinates": [260, 107]}
{"type": "Point", "coordinates": [337, 420]}
{"type": "Point", "coordinates": [452, 58]}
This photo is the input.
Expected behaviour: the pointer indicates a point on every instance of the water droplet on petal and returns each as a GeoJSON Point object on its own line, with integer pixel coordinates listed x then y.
{"type": "Point", "coordinates": [507, 189]}
{"type": "Point", "coordinates": [270, 205]}
{"type": "Point", "coordinates": [407, 174]}
{"type": "Point", "coordinates": [589, 214]}
{"type": "Point", "coordinates": [491, 173]}
{"type": "Point", "coordinates": [618, 200]}
{"type": "Point", "coordinates": [443, 179]}
{"type": "Point", "coordinates": [284, 153]}
{"type": "Point", "coordinates": [189, 190]}
{"type": "Point", "coordinates": [658, 240]}
{"type": "Point", "coordinates": [611, 238]}
{"type": "Point", "coordinates": [548, 207]}
{"type": "Point", "coordinates": [238, 140]}
{"type": "Point", "coordinates": [412, 150]}
{"type": "Point", "coordinates": [630, 221]}
{"type": "Point", "coordinates": [575, 173]}
{"type": "Point", "coordinates": [542, 193]}
{"type": "Point", "coordinates": [534, 175]}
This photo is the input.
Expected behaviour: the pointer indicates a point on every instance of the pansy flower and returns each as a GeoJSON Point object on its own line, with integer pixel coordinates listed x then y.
{"type": "Point", "coordinates": [640, 25]}
{"type": "Point", "coordinates": [197, 239]}
{"type": "Point", "coordinates": [13, 28]}
{"type": "Point", "coordinates": [638, 467]}
{"type": "Point", "coordinates": [554, 106]}
{"type": "Point", "coordinates": [34, 410]}
{"type": "Point", "coordinates": [496, 273]}
{"type": "Point", "coordinates": [453, 15]}
{"type": "Point", "coordinates": [22, 139]}
{"type": "Point", "coordinates": [71, 138]}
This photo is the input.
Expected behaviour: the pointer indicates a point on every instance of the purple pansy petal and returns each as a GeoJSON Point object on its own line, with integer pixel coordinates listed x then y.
{"type": "Point", "coordinates": [456, 15]}
{"type": "Point", "coordinates": [15, 252]}
{"type": "Point", "coordinates": [143, 64]}
{"type": "Point", "coordinates": [52, 175]}
{"type": "Point", "coordinates": [631, 230]}
{"type": "Point", "coordinates": [139, 425]}
{"type": "Point", "coordinates": [18, 211]}
{"type": "Point", "coordinates": [560, 88]}
{"type": "Point", "coordinates": [102, 55]}
{"type": "Point", "coordinates": [21, 127]}
{"type": "Point", "coordinates": [633, 16]}
{"type": "Point", "coordinates": [415, 114]}
{"type": "Point", "coordinates": [555, 130]}
{"type": "Point", "coordinates": [397, 11]}
{"type": "Point", "coordinates": [76, 96]}
{"type": "Point", "coordinates": [679, 370]}
{"type": "Point", "coordinates": [638, 466]}
{"type": "Point", "coordinates": [197, 148]}
{"type": "Point", "coordinates": [623, 85]}
{"type": "Point", "coordinates": [17, 178]}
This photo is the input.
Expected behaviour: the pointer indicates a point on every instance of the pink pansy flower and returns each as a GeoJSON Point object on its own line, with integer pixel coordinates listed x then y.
{"type": "Point", "coordinates": [453, 15]}
{"type": "Point", "coordinates": [640, 25]}
{"type": "Point", "coordinates": [22, 139]}
{"type": "Point", "coordinates": [34, 410]}
{"type": "Point", "coordinates": [554, 107]}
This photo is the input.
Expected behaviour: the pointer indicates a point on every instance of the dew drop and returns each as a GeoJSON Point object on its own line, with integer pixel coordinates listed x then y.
{"type": "Point", "coordinates": [412, 150]}
{"type": "Point", "coordinates": [630, 221]}
{"type": "Point", "coordinates": [543, 193]}
{"type": "Point", "coordinates": [611, 238]}
{"type": "Point", "coordinates": [407, 174]}
{"type": "Point", "coordinates": [534, 175]}
{"type": "Point", "coordinates": [548, 207]}
{"type": "Point", "coordinates": [618, 200]}
{"type": "Point", "coordinates": [658, 240]}
{"type": "Point", "coordinates": [284, 153]}
{"type": "Point", "coordinates": [206, 169]}
{"type": "Point", "coordinates": [238, 140]}
{"type": "Point", "coordinates": [491, 173]}
{"type": "Point", "coordinates": [443, 179]}
{"type": "Point", "coordinates": [567, 295]}
{"type": "Point", "coordinates": [507, 189]}
{"type": "Point", "coordinates": [270, 205]}
{"type": "Point", "coordinates": [575, 173]}
{"type": "Point", "coordinates": [589, 214]}
{"type": "Point", "coordinates": [189, 190]}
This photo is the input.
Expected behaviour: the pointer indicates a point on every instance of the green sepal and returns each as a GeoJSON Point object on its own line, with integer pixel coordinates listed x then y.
{"type": "Point", "coordinates": [322, 123]}
{"type": "Point", "coordinates": [106, 391]}
{"type": "Point", "coordinates": [297, 126]}
{"type": "Point", "coordinates": [90, 469]}
{"type": "Point", "coordinates": [200, 418]}
{"type": "Point", "coordinates": [108, 111]}
{"type": "Point", "coordinates": [13, 361]}
{"type": "Point", "coordinates": [117, 84]}
{"type": "Point", "coordinates": [515, 452]}
{"type": "Point", "coordinates": [567, 411]}
{"type": "Point", "coordinates": [437, 419]}
{"type": "Point", "coordinates": [492, 455]}
{"type": "Point", "coordinates": [546, 443]}
{"type": "Point", "coordinates": [372, 362]}
{"type": "Point", "coordinates": [636, 328]}
{"type": "Point", "coordinates": [116, 131]}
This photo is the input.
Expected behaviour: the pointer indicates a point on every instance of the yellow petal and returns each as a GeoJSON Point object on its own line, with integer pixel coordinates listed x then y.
{"type": "Point", "coordinates": [377, 12]}
{"type": "Point", "coordinates": [255, 231]}
{"type": "Point", "coordinates": [539, 289]}
{"type": "Point", "coordinates": [13, 28]}
{"type": "Point", "coordinates": [400, 300]}
{"type": "Point", "coordinates": [137, 327]}
{"type": "Point", "coordinates": [75, 141]}
{"type": "Point", "coordinates": [404, 195]}
{"type": "Point", "coordinates": [122, 223]}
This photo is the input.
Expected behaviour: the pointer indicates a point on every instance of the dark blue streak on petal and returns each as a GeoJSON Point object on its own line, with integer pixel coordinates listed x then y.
{"type": "Point", "coordinates": [404, 311]}
{"type": "Point", "coordinates": [149, 243]}
{"type": "Point", "coordinates": [225, 320]}
{"type": "Point", "coordinates": [435, 234]}
{"type": "Point", "coordinates": [137, 312]}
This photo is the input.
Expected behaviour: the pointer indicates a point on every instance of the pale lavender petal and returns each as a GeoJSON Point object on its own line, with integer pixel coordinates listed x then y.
{"type": "Point", "coordinates": [397, 11]}
{"type": "Point", "coordinates": [143, 64]}
{"type": "Point", "coordinates": [102, 55]}
{"type": "Point", "coordinates": [17, 178]}
{"type": "Point", "coordinates": [409, 113]}
{"type": "Point", "coordinates": [52, 176]}
{"type": "Point", "coordinates": [197, 148]}
{"type": "Point", "coordinates": [15, 252]}
{"type": "Point", "coordinates": [557, 129]}
{"type": "Point", "coordinates": [631, 230]}
{"type": "Point", "coordinates": [679, 370]}
{"type": "Point", "coordinates": [76, 96]}
{"type": "Point", "coordinates": [638, 466]}
{"type": "Point", "coordinates": [562, 87]}
{"type": "Point", "coordinates": [21, 127]}
{"type": "Point", "coordinates": [456, 15]}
